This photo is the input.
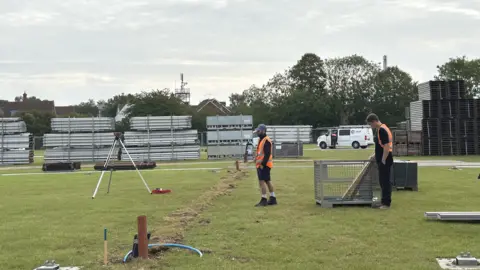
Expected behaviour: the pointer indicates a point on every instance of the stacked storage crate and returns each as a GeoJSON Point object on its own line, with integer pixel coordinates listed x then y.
{"type": "Point", "coordinates": [79, 140]}
{"type": "Point", "coordinates": [406, 142]}
{"type": "Point", "coordinates": [162, 138]}
{"type": "Point", "coordinates": [16, 146]}
{"type": "Point", "coordinates": [288, 140]}
{"type": "Point", "coordinates": [228, 136]}
{"type": "Point", "coordinates": [446, 119]}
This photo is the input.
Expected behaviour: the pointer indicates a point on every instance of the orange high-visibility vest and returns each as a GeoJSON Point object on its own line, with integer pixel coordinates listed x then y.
{"type": "Point", "coordinates": [390, 137]}
{"type": "Point", "coordinates": [261, 154]}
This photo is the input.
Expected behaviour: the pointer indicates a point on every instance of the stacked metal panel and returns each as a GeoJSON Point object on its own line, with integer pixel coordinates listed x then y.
{"type": "Point", "coordinates": [16, 146]}
{"type": "Point", "coordinates": [284, 134]}
{"type": "Point", "coordinates": [94, 124]}
{"type": "Point", "coordinates": [161, 122]}
{"type": "Point", "coordinates": [227, 136]}
{"type": "Point", "coordinates": [288, 140]}
{"type": "Point", "coordinates": [447, 120]}
{"type": "Point", "coordinates": [162, 138]}
{"type": "Point", "coordinates": [79, 140]}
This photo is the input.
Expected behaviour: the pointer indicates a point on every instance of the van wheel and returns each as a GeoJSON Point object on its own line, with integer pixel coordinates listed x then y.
{"type": "Point", "coordinates": [356, 145]}
{"type": "Point", "coordinates": [323, 145]}
{"type": "Point", "coordinates": [364, 147]}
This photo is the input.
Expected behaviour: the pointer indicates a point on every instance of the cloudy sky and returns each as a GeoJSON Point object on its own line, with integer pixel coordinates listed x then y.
{"type": "Point", "coordinates": [72, 50]}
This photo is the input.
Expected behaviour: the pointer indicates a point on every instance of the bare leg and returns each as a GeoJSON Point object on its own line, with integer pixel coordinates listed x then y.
{"type": "Point", "coordinates": [270, 187]}
{"type": "Point", "coordinates": [263, 188]}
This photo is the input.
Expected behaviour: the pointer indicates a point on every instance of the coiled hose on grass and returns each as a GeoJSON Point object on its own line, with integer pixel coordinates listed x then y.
{"type": "Point", "coordinates": [167, 245]}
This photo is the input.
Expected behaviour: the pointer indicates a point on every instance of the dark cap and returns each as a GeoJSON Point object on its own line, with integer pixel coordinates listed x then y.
{"type": "Point", "coordinates": [260, 127]}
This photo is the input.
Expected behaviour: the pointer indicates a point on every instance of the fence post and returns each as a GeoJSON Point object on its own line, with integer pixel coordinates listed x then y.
{"type": "Point", "coordinates": [142, 237]}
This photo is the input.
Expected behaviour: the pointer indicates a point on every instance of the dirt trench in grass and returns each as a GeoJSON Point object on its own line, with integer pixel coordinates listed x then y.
{"type": "Point", "coordinates": [176, 224]}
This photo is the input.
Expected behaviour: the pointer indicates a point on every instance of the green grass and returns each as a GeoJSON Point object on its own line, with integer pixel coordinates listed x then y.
{"type": "Point", "coordinates": [297, 234]}
{"type": "Point", "coordinates": [54, 216]}
{"type": "Point", "coordinates": [51, 216]}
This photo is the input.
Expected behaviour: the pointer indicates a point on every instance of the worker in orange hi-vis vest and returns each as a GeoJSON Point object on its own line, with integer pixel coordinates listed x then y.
{"type": "Point", "coordinates": [264, 164]}
{"type": "Point", "coordinates": [384, 157]}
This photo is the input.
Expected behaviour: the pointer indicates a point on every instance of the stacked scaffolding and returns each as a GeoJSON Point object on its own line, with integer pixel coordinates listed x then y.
{"type": "Point", "coordinates": [162, 138]}
{"type": "Point", "coordinates": [16, 146]}
{"type": "Point", "coordinates": [447, 120]}
{"type": "Point", "coordinates": [228, 136]}
{"type": "Point", "coordinates": [79, 140]}
{"type": "Point", "coordinates": [288, 140]}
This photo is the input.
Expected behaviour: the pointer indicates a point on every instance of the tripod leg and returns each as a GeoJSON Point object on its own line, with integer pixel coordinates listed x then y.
{"type": "Point", "coordinates": [104, 167]}
{"type": "Point", "coordinates": [110, 180]}
{"type": "Point", "coordinates": [135, 166]}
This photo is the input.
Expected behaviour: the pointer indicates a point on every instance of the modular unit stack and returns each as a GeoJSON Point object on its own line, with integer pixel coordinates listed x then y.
{"type": "Point", "coordinates": [228, 136]}
{"type": "Point", "coordinates": [16, 145]}
{"type": "Point", "coordinates": [162, 138]}
{"type": "Point", "coordinates": [288, 140]}
{"type": "Point", "coordinates": [79, 140]}
{"type": "Point", "coordinates": [446, 119]}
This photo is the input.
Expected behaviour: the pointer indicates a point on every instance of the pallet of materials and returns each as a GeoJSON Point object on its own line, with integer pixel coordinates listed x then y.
{"type": "Point", "coordinates": [125, 165]}
{"type": "Point", "coordinates": [61, 166]}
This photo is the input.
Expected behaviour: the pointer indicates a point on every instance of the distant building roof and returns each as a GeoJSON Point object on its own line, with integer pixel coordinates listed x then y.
{"type": "Point", "coordinates": [219, 106]}
{"type": "Point", "coordinates": [64, 110]}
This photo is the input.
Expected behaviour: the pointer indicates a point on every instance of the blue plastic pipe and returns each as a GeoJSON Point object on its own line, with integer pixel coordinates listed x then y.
{"type": "Point", "coordinates": [167, 245]}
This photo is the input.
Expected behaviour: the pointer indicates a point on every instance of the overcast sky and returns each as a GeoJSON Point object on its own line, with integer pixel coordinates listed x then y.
{"type": "Point", "coordinates": [72, 50]}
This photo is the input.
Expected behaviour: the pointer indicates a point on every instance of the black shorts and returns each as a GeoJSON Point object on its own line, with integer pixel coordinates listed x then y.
{"type": "Point", "coordinates": [263, 174]}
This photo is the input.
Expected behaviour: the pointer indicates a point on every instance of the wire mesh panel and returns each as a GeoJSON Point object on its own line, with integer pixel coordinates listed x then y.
{"type": "Point", "coordinates": [346, 182]}
{"type": "Point", "coordinates": [450, 146]}
{"type": "Point", "coordinates": [467, 108]}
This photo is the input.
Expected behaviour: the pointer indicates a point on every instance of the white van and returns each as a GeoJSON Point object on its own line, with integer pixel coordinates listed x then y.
{"type": "Point", "coordinates": [348, 136]}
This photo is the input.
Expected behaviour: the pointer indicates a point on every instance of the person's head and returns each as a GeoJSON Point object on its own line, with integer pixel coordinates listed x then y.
{"type": "Point", "coordinates": [373, 121]}
{"type": "Point", "coordinates": [261, 130]}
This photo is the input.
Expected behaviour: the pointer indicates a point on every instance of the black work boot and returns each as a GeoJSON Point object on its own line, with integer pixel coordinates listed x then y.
{"type": "Point", "coordinates": [272, 200]}
{"type": "Point", "coordinates": [263, 202]}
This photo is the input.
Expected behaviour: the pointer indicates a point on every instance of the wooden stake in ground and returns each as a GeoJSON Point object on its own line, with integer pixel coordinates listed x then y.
{"type": "Point", "coordinates": [105, 247]}
{"type": "Point", "coordinates": [237, 165]}
{"type": "Point", "coordinates": [142, 237]}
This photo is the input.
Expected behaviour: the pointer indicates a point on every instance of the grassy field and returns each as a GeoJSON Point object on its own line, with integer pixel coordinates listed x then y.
{"type": "Point", "coordinates": [52, 216]}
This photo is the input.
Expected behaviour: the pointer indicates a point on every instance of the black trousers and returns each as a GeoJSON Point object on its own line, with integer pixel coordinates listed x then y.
{"type": "Point", "coordinates": [384, 179]}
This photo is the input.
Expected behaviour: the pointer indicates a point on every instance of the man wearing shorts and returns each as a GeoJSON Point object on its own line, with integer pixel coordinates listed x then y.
{"type": "Point", "coordinates": [264, 164]}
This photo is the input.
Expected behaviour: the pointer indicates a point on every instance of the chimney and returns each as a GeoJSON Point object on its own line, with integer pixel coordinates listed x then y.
{"type": "Point", "coordinates": [24, 96]}
{"type": "Point", "coordinates": [384, 62]}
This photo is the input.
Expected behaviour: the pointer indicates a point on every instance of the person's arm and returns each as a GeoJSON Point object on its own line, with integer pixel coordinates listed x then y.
{"type": "Point", "coordinates": [385, 141]}
{"type": "Point", "coordinates": [267, 150]}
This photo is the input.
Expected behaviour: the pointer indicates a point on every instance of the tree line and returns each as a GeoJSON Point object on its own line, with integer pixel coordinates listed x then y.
{"type": "Point", "coordinates": [314, 91]}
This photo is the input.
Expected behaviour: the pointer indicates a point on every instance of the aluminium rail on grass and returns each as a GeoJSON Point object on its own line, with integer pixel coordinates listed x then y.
{"type": "Point", "coordinates": [453, 216]}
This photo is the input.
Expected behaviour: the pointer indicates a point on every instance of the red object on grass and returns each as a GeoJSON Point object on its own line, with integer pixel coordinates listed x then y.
{"type": "Point", "coordinates": [161, 191]}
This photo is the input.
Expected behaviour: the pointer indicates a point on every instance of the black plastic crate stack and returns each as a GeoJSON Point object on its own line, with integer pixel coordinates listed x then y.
{"type": "Point", "coordinates": [449, 120]}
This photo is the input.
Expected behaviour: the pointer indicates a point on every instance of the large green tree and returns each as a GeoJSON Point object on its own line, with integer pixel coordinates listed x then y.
{"type": "Point", "coordinates": [88, 108]}
{"type": "Point", "coordinates": [462, 68]}
{"type": "Point", "coordinates": [351, 86]}
{"type": "Point", "coordinates": [394, 90]}
{"type": "Point", "coordinates": [38, 123]}
{"type": "Point", "coordinates": [158, 103]}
